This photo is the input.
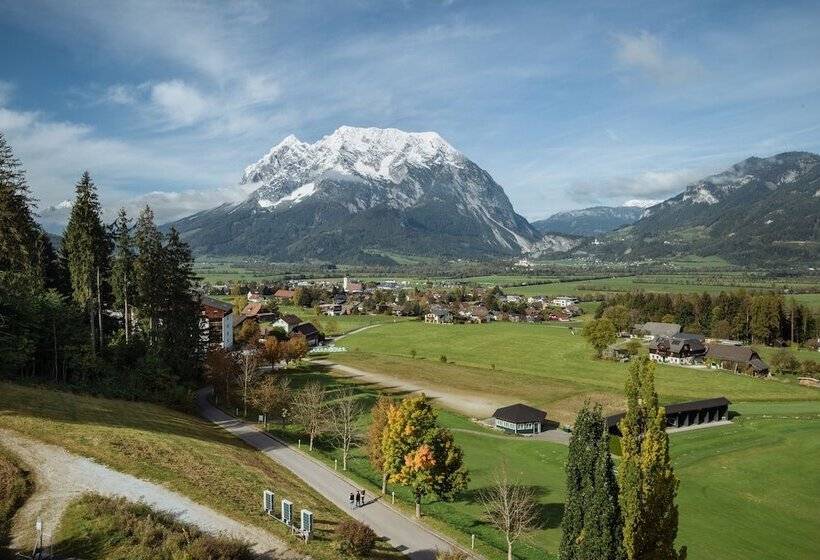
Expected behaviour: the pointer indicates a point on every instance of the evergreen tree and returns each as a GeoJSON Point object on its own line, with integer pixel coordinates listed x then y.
{"type": "Point", "coordinates": [86, 248]}
{"type": "Point", "coordinates": [647, 482]}
{"type": "Point", "coordinates": [148, 272]}
{"type": "Point", "coordinates": [18, 231]}
{"type": "Point", "coordinates": [122, 268]}
{"type": "Point", "coordinates": [591, 525]}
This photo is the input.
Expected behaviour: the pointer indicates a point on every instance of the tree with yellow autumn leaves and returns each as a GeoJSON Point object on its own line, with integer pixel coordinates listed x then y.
{"type": "Point", "coordinates": [420, 454]}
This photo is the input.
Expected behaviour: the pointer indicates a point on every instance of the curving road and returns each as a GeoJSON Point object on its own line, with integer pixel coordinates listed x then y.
{"type": "Point", "coordinates": [405, 534]}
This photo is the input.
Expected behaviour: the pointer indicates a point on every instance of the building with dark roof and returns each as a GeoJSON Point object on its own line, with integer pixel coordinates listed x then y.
{"type": "Point", "coordinates": [287, 323]}
{"type": "Point", "coordinates": [519, 419]}
{"type": "Point", "coordinates": [682, 348]}
{"type": "Point", "coordinates": [217, 322]}
{"type": "Point", "coordinates": [655, 329]}
{"type": "Point", "coordinates": [739, 359]}
{"type": "Point", "coordinates": [310, 332]}
{"type": "Point", "coordinates": [680, 415]}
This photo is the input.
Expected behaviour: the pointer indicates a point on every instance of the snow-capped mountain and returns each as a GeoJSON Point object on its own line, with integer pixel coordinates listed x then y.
{"type": "Point", "coordinates": [596, 220]}
{"type": "Point", "coordinates": [765, 209]}
{"type": "Point", "coordinates": [364, 193]}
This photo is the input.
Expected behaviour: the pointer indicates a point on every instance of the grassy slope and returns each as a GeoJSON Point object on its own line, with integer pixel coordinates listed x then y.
{"type": "Point", "coordinates": [544, 365]}
{"type": "Point", "coordinates": [99, 528]}
{"type": "Point", "coordinates": [182, 452]}
{"type": "Point", "coordinates": [15, 486]}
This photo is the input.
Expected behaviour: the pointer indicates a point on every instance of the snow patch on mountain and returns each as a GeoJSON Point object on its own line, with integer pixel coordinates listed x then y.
{"type": "Point", "coordinates": [294, 197]}
{"type": "Point", "coordinates": [640, 203]}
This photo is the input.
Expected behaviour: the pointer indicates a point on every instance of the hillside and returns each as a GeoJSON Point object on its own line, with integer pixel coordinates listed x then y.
{"type": "Point", "coordinates": [760, 211]}
{"type": "Point", "coordinates": [361, 193]}
{"type": "Point", "coordinates": [596, 220]}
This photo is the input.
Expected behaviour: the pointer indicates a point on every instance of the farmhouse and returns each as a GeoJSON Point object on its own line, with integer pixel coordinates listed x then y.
{"type": "Point", "coordinates": [351, 287]}
{"type": "Point", "coordinates": [255, 297]}
{"type": "Point", "coordinates": [438, 315]}
{"type": "Point", "coordinates": [519, 419]}
{"type": "Point", "coordinates": [680, 349]}
{"type": "Point", "coordinates": [217, 322]}
{"type": "Point", "coordinates": [564, 301]}
{"type": "Point", "coordinates": [282, 295]}
{"type": "Point", "coordinates": [680, 415]}
{"type": "Point", "coordinates": [739, 359]}
{"type": "Point", "coordinates": [287, 323]}
{"type": "Point", "coordinates": [252, 309]}
{"type": "Point", "coordinates": [656, 330]}
{"type": "Point", "coordinates": [310, 332]}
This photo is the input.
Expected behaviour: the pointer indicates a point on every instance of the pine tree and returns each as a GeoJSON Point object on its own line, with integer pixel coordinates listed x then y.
{"type": "Point", "coordinates": [591, 525]}
{"type": "Point", "coordinates": [18, 231]}
{"type": "Point", "coordinates": [647, 482]}
{"type": "Point", "coordinates": [122, 268]}
{"type": "Point", "coordinates": [148, 272]}
{"type": "Point", "coordinates": [86, 248]}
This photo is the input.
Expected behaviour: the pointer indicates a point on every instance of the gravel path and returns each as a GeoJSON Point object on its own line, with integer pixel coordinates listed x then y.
{"type": "Point", "coordinates": [61, 477]}
{"type": "Point", "coordinates": [405, 534]}
{"type": "Point", "coordinates": [468, 404]}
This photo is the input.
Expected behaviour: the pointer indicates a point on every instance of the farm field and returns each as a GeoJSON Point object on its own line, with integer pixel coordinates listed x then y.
{"type": "Point", "coordinates": [343, 323]}
{"type": "Point", "coordinates": [543, 365]}
{"type": "Point", "coordinates": [181, 452]}
{"type": "Point", "coordinates": [722, 514]}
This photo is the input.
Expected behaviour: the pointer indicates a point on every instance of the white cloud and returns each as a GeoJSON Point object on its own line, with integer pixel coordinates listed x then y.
{"type": "Point", "coordinates": [645, 52]}
{"type": "Point", "coordinates": [644, 186]}
{"type": "Point", "coordinates": [180, 103]}
{"type": "Point", "coordinates": [6, 89]}
{"type": "Point", "coordinates": [122, 94]}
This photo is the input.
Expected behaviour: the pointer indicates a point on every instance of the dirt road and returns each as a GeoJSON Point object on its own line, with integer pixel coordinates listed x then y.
{"type": "Point", "coordinates": [61, 476]}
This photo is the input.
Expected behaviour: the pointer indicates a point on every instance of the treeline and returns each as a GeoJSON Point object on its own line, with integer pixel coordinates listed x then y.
{"type": "Point", "coordinates": [112, 310]}
{"type": "Point", "coordinates": [753, 317]}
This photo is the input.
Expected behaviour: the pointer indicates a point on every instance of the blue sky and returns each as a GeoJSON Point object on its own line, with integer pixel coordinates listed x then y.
{"type": "Point", "coordinates": [566, 105]}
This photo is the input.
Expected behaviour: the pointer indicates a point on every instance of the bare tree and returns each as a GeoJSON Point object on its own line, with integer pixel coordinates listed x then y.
{"type": "Point", "coordinates": [271, 395]}
{"type": "Point", "coordinates": [344, 416]}
{"type": "Point", "coordinates": [250, 370]}
{"type": "Point", "coordinates": [510, 507]}
{"type": "Point", "coordinates": [309, 407]}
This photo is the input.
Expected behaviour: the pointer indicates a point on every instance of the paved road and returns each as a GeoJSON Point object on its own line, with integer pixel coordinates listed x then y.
{"type": "Point", "coordinates": [60, 477]}
{"type": "Point", "coordinates": [404, 533]}
{"type": "Point", "coordinates": [470, 404]}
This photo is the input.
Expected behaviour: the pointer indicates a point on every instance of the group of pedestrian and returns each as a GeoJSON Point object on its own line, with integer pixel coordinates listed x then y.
{"type": "Point", "coordinates": [357, 499]}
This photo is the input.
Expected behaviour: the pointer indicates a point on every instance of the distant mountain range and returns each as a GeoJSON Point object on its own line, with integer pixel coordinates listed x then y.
{"type": "Point", "coordinates": [360, 195]}
{"type": "Point", "coordinates": [761, 210]}
{"type": "Point", "coordinates": [593, 221]}
{"type": "Point", "coordinates": [366, 195]}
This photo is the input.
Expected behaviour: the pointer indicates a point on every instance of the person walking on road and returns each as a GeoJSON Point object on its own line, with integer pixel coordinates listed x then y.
{"type": "Point", "coordinates": [351, 500]}
{"type": "Point", "coordinates": [362, 496]}
{"type": "Point", "coordinates": [358, 499]}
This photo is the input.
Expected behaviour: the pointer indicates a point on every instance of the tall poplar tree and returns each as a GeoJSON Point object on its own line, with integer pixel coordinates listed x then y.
{"type": "Point", "coordinates": [648, 484]}
{"type": "Point", "coordinates": [122, 268]}
{"type": "Point", "coordinates": [86, 248]}
{"type": "Point", "coordinates": [591, 525]}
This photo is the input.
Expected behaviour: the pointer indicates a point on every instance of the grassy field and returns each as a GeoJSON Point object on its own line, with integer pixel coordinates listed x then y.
{"type": "Point", "coordinates": [745, 489]}
{"type": "Point", "coordinates": [342, 324]}
{"type": "Point", "coordinates": [543, 365]}
{"type": "Point", "coordinates": [182, 452]}
{"type": "Point", "coordinates": [99, 528]}
{"type": "Point", "coordinates": [15, 486]}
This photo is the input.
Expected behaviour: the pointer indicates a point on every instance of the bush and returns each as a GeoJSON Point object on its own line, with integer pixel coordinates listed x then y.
{"type": "Point", "coordinates": [356, 538]}
{"type": "Point", "coordinates": [15, 486]}
{"type": "Point", "coordinates": [452, 554]}
{"type": "Point", "coordinates": [442, 359]}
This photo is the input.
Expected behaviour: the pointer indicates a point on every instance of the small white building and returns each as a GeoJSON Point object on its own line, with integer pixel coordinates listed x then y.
{"type": "Point", "coordinates": [564, 301]}
{"type": "Point", "coordinates": [520, 419]}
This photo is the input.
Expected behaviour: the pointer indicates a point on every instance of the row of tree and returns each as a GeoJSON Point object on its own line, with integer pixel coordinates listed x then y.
{"type": "Point", "coordinates": [741, 315]}
{"type": "Point", "coordinates": [113, 310]}
{"type": "Point", "coordinates": [631, 514]}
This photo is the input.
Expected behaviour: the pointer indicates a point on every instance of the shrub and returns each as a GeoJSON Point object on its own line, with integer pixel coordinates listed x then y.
{"type": "Point", "coordinates": [15, 486]}
{"type": "Point", "coordinates": [442, 359]}
{"type": "Point", "coordinates": [354, 537]}
{"type": "Point", "coordinates": [452, 554]}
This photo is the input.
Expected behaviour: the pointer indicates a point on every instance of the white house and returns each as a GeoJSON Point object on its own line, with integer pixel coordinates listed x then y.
{"type": "Point", "coordinates": [564, 301]}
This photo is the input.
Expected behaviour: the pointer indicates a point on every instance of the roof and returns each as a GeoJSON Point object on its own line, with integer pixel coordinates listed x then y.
{"type": "Point", "coordinates": [291, 320]}
{"type": "Point", "coordinates": [676, 408]}
{"type": "Point", "coordinates": [519, 414]}
{"type": "Point", "coordinates": [659, 329]}
{"type": "Point", "coordinates": [307, 329]}
{"type": "Point", "coordinates": [284, 293]}
{"type": "Point", "coordinates": [252, 308]}
{"type": "Point", "coordinates": [742, 354]}
{"type": "Point", "coordinates": [208, 301]}
{"type": "Point", "coordinates": [676, 343]}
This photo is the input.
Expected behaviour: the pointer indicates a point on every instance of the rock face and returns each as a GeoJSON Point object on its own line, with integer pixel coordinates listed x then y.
{"type": "Point", "coordinates": [761, 210]}
{"type": "Point", "coordinates": [596, 220]}
{"type": "Point", "coordinates": [364, 194]}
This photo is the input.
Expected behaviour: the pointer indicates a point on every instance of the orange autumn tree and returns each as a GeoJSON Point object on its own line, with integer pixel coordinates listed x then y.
{"type": "Point", "coordinates": [420, 454]}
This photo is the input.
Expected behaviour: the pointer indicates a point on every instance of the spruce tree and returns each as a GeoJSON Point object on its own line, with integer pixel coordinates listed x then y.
{"type": "Point", "coordinates": [148, 272]}
{"type": "Point", "coordinates": [648, 484]}
{"type": "Point", "coordinates": [18, 231]}
{"type": "Point", "coordinates": [86, 248]}
{"type": "Point", "coordinates": [122, 268]}
{"type": "Point", "coordinates": [591, 525]}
